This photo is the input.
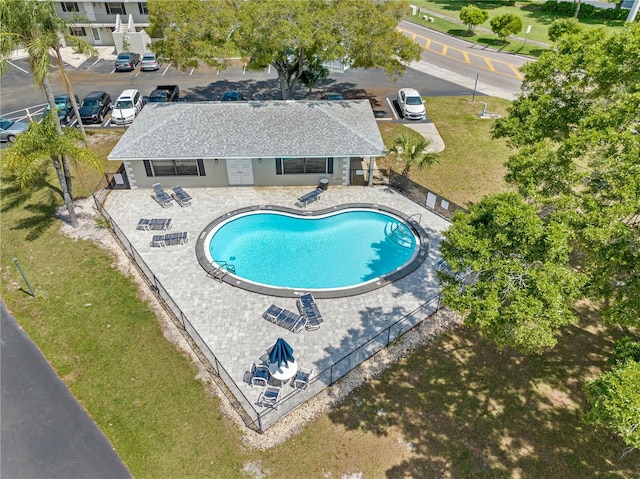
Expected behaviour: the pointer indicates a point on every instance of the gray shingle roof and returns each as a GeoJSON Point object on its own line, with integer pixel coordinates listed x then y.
{"type": "Point", "coordinates": [267, 129]}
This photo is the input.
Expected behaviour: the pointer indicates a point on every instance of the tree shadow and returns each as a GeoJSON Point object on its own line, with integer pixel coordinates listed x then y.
{"type": "Point", "coordinates": [42, 213]}
{"type": "Point", "coordinates": [468, 410]}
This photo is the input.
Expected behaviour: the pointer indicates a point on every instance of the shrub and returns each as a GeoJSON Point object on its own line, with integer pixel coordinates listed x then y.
{"type": "Point", "coordinates": [505, 25]}
{"type": "Point", "coordinates": [473, 16]}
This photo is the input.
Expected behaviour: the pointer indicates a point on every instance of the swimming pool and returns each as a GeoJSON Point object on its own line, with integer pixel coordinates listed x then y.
{"type": "Point", "coordinates": [328, 251]}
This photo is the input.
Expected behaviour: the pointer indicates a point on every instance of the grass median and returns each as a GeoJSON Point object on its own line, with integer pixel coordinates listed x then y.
{"type": "Point", "coordinates": [457, 408]}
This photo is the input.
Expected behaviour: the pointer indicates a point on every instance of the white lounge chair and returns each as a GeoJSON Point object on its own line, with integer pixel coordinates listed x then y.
{"type": "Point", "coordinates": [182, 197]}
{"type": "Point", "coordinates": [284, 318]}
{"type": "Point", "coordinates": [310, 197]}
{"type": "Point", "coordinates": [309, 309]}
{"type": "Point", "coordinates": [169, 239]}
{"type": "Point", "coordinates": [161, 196]}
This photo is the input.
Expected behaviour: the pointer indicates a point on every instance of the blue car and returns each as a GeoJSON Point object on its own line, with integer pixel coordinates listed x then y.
{"type": "Point", "coordinates": [65, 108]}
{"type": "Point", "coordinates": [232, 95]}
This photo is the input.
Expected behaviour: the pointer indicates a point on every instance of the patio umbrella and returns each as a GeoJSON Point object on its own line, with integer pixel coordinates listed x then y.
{"type": "Point", "coordinates": [281, 352]}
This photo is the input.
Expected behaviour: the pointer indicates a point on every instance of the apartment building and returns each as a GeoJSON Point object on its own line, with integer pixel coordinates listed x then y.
{"type": "Point", "coordinates": [120, 24]}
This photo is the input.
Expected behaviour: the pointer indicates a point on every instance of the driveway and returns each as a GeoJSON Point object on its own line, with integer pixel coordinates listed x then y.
{"type": "Point", "coordinates": [45, 433]}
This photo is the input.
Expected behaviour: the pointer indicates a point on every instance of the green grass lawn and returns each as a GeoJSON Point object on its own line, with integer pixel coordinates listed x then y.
{"type": "Point", "coordinates": [471, 164]}
{"type": "Point", "coordinates": [456, 408]}
{"type": "Point", "coordinates": [529, 11]}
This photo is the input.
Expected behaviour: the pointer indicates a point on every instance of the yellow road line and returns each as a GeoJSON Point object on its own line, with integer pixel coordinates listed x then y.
{"type": "Point", "coordinates": [516, 72]}
{"type": "Point", "coordinates": [489, 64]}
{"type": "Point", "coordinates": [467, 56]}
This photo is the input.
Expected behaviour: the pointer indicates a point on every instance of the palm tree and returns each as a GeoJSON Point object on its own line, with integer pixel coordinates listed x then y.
{"type": "Point", "coordinates": [410, 148]}
{"type": "Point", "coordinates": [28, 157]}
{"type": "Point", "coordinates": [35, 26]}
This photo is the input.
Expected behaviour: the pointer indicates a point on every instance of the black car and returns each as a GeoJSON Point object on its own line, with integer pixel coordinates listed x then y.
{"type": "Point", "coordinates": [95, 106]}
{"type": "Point", "coordinates": [127, 61]}
{"type": "Point", "coordinates": [64, 107]}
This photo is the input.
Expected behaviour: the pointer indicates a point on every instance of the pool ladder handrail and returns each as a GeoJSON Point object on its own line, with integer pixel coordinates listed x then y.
{"type": "Point", "coordinates": [219, 269]}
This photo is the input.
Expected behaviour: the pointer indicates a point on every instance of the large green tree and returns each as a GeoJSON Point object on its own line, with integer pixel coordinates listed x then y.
{"type": "Point", "coordinates": [522, 287]}
{"type": "Point", "coordinates": [575, 127]}
{"type": "Point", "coordinates": [614, 399]}
{"type": "Point", "coordinates": [290, 36]}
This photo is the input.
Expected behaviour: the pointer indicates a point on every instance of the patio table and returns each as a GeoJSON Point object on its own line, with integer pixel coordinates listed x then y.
{"type": "Point", "coordinates": [284, 372]}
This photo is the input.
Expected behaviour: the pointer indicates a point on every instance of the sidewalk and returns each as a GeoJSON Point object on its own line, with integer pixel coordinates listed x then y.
{"type": "Point", "coordinates": [72, 58]}
{"type": "Point", "coordinates": [479, 29]}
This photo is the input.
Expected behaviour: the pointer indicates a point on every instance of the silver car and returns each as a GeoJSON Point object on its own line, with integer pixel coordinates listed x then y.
{"type": "Point", "coordinates": [10, 129]}
{"type": "Point", "coordinates": [150, 62]}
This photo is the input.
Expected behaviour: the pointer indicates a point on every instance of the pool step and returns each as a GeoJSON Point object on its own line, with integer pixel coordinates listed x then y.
{"type": "Point", "coordinates": [400, 234]}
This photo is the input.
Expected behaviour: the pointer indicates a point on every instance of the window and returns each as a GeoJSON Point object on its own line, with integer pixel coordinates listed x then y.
{"type": "Point", "coordinates": [174, 167]}
{"type": "Point", "coordinates": [114, 8]}
{"type": "Point", "coordinates": [69, 6]}
{"type": "Point", "coordinates": [290, 166]}
{"type": "Point", "coordinates": [142, 8]}
{"type": "Point", "coordinates": [78, 31]}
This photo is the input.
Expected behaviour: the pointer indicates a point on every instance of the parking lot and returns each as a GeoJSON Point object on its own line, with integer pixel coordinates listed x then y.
{"type": "Point", "coordinates": [21, 99]}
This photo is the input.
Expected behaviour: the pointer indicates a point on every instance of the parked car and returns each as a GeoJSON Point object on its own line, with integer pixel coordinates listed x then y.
{"type": "Point", "coordinates": [150, 62]}
{"type": "Point", "coordinates": [94, 107]}
{"type": "Point", "coordinates": [10, 129]}
{"type": "Point", "coordinates": [127, 61]}
{"type": "Point", "coordinates": [411, 105]}
{"type": "Point", "coordinates": [163, 94]}
{"type": "Point", "coordinates": [127, 107]}
{"type": "Point", "coordinates": [332, 96]}
{"type": "Point", "coordinates": [64, 107]}
{"type": "Point", "coordinates": [232, 95]}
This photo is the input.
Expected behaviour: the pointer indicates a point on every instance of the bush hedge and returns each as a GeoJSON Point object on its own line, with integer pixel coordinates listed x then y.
{"type": "Point", "coordinates": [586, 10]}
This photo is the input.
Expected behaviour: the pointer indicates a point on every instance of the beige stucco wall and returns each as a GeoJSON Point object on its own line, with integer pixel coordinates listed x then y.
{"type": "Point", "coordinates": [264, 174]}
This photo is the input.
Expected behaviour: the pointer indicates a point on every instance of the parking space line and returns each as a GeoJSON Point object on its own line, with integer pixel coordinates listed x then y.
{"type": "Point", "coordinates": [96, 62]}
{"type": "Point", "coordinates": [393, 110]}
{"type": "Point", "coordinates": [16, 66]}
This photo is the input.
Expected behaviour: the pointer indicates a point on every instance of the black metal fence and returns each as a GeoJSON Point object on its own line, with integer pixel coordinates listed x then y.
{"type": "Point", "coordinates": [423, 195]}
{"type": "Point", "coordinates": [409, 188]}
{"type": "Point", "coordinates": [254, 419]}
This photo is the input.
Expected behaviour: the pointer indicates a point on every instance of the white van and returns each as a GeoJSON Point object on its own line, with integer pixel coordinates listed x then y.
{"type": "Point", "coordinates": [126, 107]}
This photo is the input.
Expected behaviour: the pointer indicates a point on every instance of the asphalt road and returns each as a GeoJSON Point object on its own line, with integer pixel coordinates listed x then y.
{"type": "Point", "coordinates": [44, 432]}
{"type": "Point", "coordinates": [446, 63]}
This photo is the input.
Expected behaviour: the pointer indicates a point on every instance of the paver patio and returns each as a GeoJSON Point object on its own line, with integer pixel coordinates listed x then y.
{"type": "Point", "coordinates": [229, 319]}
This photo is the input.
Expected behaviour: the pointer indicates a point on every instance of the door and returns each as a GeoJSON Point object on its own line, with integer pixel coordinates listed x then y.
{"type": "Point", "coordinates": [240, 172]}
{"type": "Point", "coordinates": [95, 33]}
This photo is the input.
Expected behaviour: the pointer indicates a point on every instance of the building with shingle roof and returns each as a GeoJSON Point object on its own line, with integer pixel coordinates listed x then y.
{"type": "Point", "coordinates": [260, 143]}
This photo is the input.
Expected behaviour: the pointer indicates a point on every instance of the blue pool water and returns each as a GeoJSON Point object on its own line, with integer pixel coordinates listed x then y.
{"type": "Point", "coordinates": [334, 251]}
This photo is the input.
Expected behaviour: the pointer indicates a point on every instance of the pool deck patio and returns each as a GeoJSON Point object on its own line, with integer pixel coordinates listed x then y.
{"type": "Point", "coordinates": [229, 319]}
